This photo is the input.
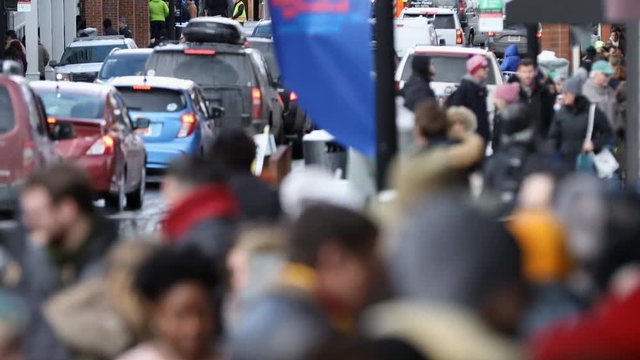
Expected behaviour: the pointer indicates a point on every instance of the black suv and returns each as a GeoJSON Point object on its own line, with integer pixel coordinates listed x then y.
{"type": "Point", "coordinates": [232, 76]}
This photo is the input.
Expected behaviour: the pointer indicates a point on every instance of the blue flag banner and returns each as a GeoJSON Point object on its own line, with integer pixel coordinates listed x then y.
{"type": "Point", "coordinates": [325, 56]}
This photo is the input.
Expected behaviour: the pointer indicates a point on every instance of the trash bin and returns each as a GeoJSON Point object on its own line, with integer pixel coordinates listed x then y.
{"type": "Point", "coordinates": [320, 149]}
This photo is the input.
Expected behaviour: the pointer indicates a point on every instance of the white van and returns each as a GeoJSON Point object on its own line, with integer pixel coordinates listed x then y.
{"type": "Point", "coordinates": [446, 22]}
{"type": "Point", "coordinates": [411, 32]}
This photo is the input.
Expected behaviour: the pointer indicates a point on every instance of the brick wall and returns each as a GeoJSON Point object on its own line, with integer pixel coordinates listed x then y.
{"type": "Point", "coordinates": [557, 38]}
{"type": "Point", "coordinates": [136, 12]}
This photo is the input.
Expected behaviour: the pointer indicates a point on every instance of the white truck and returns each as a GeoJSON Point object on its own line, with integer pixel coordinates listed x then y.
{"type": "Point", "coordinates": [411, 32]}
{"type": "Point", "coordinates": [444, 20]}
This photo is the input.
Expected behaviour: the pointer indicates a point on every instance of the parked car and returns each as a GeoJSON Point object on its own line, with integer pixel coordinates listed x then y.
{"type": "Point", "coordinates": [460, 7]}
{"type": "Point", "coordinates": [444, 20]}
{"type": "Point", "coordinates": [26, 144]}
{"type": "Point", "coordinates": [123, 62]}
{"type": "Point", "coordinates": [83, 58]}
{"type": "Point", "coordinates": [179, 121]}
{"type": "Point", "coordinates": [296, 120]}
{"type": "Point", "coordinates": [231, 75]}
{"type": "Point", "coordinates": [450, 66]}
{"type": "Point", "coordinates": [263, 29]}
{"type": "Point", "coordinates": [513, 34]}
{"type": "Point", "coordinates": [93, 129]}
{"type": "Point", "coordinates": [411, 32]}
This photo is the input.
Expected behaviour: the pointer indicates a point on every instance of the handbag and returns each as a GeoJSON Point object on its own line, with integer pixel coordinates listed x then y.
{"type": "Point", "coordinates": [603, 164]}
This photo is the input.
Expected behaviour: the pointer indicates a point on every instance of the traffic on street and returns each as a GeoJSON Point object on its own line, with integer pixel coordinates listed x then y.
{"type": "Point", "coordinates": [319, 180]}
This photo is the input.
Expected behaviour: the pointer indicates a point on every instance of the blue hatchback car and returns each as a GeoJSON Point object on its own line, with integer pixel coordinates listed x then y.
{"type": "Point", "coordinates": [179, 121]}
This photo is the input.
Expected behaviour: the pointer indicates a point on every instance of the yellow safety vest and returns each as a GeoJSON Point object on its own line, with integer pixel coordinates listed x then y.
{"type": "Point", "coordinates": [243, 16]}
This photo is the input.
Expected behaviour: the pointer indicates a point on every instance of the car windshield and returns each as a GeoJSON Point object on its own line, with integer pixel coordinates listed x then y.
{"type": "Point", "coordinates": [87, 54]}
{"type": "Point", "coordinates": [154, 100]}
{"type": "Point", "coordinates": [7, 119]}
{"type": "Point", "coordinates": [72, 105]}
{"type": "Point", "coordinates": [449, 68]}
{"type": "Point", "coordinates": [444, 21]}
{"type": "Point", "coordinates": [216, 70]}
{"type": "Point", "coordinates": [268, 52]}
{"type": "Point", "coordinates": [123, 66]}
{"type": "Point", "coordinates": [264, 31]}
{"type": "Point", "coordinates": [445, 3]}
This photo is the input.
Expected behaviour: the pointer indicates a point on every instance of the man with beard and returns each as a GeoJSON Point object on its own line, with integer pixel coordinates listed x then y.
{"type": "Point", "coordinates": [68, 239]}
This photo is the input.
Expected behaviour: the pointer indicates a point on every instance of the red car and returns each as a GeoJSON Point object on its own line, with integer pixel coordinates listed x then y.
{"type": "Point", "coordinates": [26, 144]}
{"type": "Point", "coordinates": [92, 127]}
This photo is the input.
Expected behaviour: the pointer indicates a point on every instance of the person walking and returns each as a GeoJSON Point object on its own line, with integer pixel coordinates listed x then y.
{"type": "Point", "coordinates": [216, 8]}
{"type": "Point", "coordinates": [570, 124]}
{"type": "Point", "coordinates": [597, 90]}
{"type": "Point", "coordinates": [511, 59]}
{"type": "Point", "coordinates": [192, 9]}
{"type": "Point", "coordinates": [239, 12]}
{"type": "Point", "coordinates": [43, 59]}
{"type": "Point", "coordinates": [14, 50]}
{"type": "Point", "coordinates": [158, 13]}
{"type": "Point", "coordinates": [418, 89]}
{"type": "Point", "coordinates": [124, 29]}
{"type": "Point", "coordinates": [537, 96]}
{"type": "Point", "coordinates": [108, 29]}
{"type": "Point", "coordinates": [472, 94]}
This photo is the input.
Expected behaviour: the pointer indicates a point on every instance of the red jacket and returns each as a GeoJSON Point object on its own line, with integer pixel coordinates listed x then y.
{"type": "Point", "coordinates": [610, 331]}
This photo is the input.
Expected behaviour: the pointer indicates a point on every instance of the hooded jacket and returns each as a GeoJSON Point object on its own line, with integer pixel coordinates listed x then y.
{"type": "Point", "coordinates": [511, 59]}
{"type": "Point", "coordinates": [569, 129]}
{"type": "Point", "coordinates": [158, 10]}
{"type": "Point", "coordinates": [605, 98]}
{"type": "Point", "coordinates": [418, 88]}
{"type": "Point", "coordinates": [473, 96]}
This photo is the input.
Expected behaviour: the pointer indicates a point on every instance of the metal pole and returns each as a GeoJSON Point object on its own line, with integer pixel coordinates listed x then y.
{"type": "Point", "coordinates": [386, 131]}
{"type": "Point", "coordinates": [3, 26]}
{"type": "Point", "coordinates": [632, 148]}
{"type": "Point", "coordinates": [171, 23]}
{"type": "Point", "coordinates": [533, 44]}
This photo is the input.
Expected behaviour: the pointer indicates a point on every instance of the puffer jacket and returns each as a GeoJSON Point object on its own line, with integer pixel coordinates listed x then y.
{"type": "Point", "coordinates": [158, 10]}
{"type": "Point", "coordinates": [511, 59]}
{"type": "Point", "coordinates": [569, 129]}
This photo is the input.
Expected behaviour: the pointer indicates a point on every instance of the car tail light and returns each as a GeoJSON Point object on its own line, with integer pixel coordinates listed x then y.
{"type": "Point", "coordinates": [103, 146]}
{"type": "Point", "coordinates": [256, 103]}
{"type": "Point", "coordinates": [293, 97]}
{"type": "Point", "coordinates": [51, 120]}
{"type": "Point", "coordinates": [459, 37]}
{"type": "Point", "coordinates": [187, 126]}
{"type": "Point", "coordinates": [141, 87]}
{"type": "Point", "coordinates": [491, 34]}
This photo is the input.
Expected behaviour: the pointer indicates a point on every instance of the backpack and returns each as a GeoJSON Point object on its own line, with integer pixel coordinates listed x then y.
{"type": "Point", "coordinates": [507, 169]}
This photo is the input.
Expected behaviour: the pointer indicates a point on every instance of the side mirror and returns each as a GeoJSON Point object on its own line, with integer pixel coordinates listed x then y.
{"type": "Point", "coordinates": [53, 63]}
{"type": "Point", "coordinates": [442, 42]}
{"type": "Point", "coordinates": [64, 131]}
{"type": "Point", "coordinates": [215, 111]}
{"type": "Point", "coordinates": [141, 123]}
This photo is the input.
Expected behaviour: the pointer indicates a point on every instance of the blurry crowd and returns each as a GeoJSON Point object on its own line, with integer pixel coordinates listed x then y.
{"type": "Point", "coordinates": [516, 255]}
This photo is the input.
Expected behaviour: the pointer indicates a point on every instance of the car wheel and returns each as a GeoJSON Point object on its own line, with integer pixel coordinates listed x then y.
{"type": "Point", "coordinates": [135, 199]}
{"type": "Point", "coordinates": [117, 201]}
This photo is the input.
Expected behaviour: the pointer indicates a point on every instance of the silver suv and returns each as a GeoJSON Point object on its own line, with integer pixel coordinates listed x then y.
{"type": "Point", "coordinates": [83, 58]}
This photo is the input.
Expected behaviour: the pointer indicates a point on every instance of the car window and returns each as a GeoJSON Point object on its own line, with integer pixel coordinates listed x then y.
{"type": "Point", "coordinates": [119, 112]}
{"type": "Point", "coordinates": [216, 70]}
{"type": "Point", "coordinates": [263, 31]}
{"type": "Point", "coordinates": [154, 100]}
{"type": "Point", "coordinates": [261, 68]}
{"type": "Point", "coordinates": [7, 116]}
{"type": "Point", "coordinates": [444, 21]}
{"type": "Point", "coordinates": [87, 54]}
{"type": "Point", "coordinates": [122, 66]}
{"type": "Point", "coordinates": [72, 105]}
{"type": "Point", "coordinates": [448, 68]}
{"type": "Point", "coordinates": [268, 52]}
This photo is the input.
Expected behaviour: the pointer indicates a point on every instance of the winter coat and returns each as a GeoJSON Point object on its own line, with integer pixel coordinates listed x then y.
{"type": "Point", "coordinates": [217, 7]}
{"type": "Point", "coordinates": [473, 96]}
{"type": "Point", "coordinates": [511, 59]}
{"type": "Point", "coordinates": [192, 9]}
{"type": "Point", "coordinates": [285, 324]}
{"type": "Point", "coordinates": [16, 52]}
{"type": "Point", "coordinates": [205, 220]}
{"type": "Point", "coordinates": [417, 90]}
{"type": "Point", "coordinates": [505, 170]}
{"type": "Point", "coordinates": [569, 129]}
{"type": "Point", "coordinates": [110, 31]}
{"type": "Point", "coordinates": [126, 32]}
{"type": "Point", "coordinates": [158, 10]}
{"type": "Point", "coordinates": [605, 98]}
{"type": "Point", "coordinates": [43, 58]}
{"type": "Point", "coordinates": [256, 199]}
{"type": "Point", "coordinates": [541, 103]}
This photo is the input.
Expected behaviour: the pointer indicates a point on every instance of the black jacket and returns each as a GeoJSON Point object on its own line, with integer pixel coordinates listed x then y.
{"type": "Point", "coordinates": [126, 32]}
{"type": "Point", "coordinates": [217, 7]}
{"type": "Point", "coordinates": [541, 104]}
{"type": "Point", "coordinates": [110, 31]}
{"type": "Point", "coordinates": [569, 129]}
{"type": "Point", "coordinates": [256, 199]}
{"type": "Point", "coordinates": [417, 90]}
{"type": "Point", "coordinates": [474, 97]}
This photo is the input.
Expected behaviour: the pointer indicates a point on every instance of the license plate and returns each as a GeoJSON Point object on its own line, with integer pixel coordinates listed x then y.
{"type": "Point", "coordinates": [513, 39]}
{"type": "Point", "coordinates": [153, 130]}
